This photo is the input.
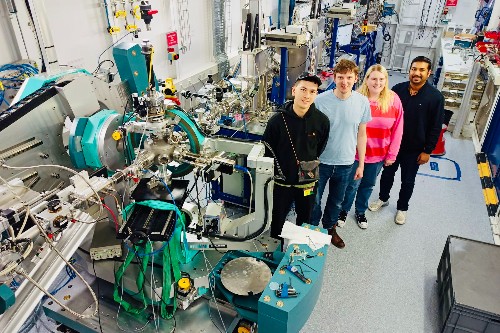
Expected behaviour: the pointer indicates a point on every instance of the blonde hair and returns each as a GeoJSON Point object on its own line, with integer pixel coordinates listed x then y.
{"type": "Point", "coordinates": [386, 95]}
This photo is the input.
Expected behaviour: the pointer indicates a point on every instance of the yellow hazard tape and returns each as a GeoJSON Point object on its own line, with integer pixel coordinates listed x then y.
{"type": "Point", "coordinates": [490, 196]}
{"type": "Point", "coordinates": [484, 170]}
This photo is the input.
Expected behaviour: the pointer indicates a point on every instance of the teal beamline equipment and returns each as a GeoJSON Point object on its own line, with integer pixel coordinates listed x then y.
{"type": "Point", "coordinates": [131, 66]}
{"type": "Point", "coordinates": [34, 83]}
{"type": "Point", "coordinates": [89, 134]}
{"type": "Point", "coordinates": [90, 137]}
{"type": "Point", "coordinates": [75, 143]}
{"type": "Point", "coordinates": [246, 306]}
{"type": "Point", "coordinates": [89, 141]}
{"type": "Point", "coordinates": [7, 298]}
{"type": "Point", "coordinates": [196, 139]}
{"type": "Point", "coordinates": [289, 315]}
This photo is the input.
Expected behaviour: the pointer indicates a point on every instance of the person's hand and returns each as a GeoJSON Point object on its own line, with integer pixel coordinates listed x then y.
{"type": "Point", "coordinates": [389, 162]}
{"type": "Point", "coordinates": [359, 173]}
{"type": "Point", "coordinates": [423, 158]}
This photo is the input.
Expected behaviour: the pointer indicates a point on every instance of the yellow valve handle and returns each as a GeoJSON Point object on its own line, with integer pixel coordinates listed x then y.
{"type": "Point", "coordinates": [243, 329]}
{"type": "Point", "coordinates": [135, 12]}
{"type": "Point", "coordinates": [184, 284]}
{"type": "Point", "coordinates": [114, 30]}
{"type": "Point", "coordinates": [117, 135]}
{"type": "Point", "coordinates": [131, 27]}
{"type": "Point", "coordinates": [120, 13]}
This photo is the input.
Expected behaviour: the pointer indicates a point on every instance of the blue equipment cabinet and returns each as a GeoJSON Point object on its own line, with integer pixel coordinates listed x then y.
{"type": "Point", "coordinates": [365, 44]}
{"type": "Point", "coordinates": [290, 314]}
{"type": "Point", "coordinates": [131, 65]}
{"type": "Point", "coordinates": [270, 312]}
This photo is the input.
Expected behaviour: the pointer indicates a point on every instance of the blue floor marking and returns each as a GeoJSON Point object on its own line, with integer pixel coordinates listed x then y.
{"type": "Point", "coordinates": [457, 167]}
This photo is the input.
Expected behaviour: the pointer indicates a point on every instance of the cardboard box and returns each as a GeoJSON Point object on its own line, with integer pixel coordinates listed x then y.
{"type": "Point", "coordinates": [448, 34]}
{"type": "Point", "coordinates": [466, 36]}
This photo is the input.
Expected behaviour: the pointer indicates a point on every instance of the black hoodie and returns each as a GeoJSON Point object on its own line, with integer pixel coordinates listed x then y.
{"type": "Point", "coordinates": [423, 117]}
{"type": "Point", "coordinates": [309, 136]}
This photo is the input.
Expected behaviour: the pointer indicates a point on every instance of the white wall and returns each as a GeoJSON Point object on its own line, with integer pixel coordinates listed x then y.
{"type": "Point", "coordinates": [495, 17]}
{"type": "Point", "coordinates": [78, 30]}
{"type": "Point", "coordinates": [422, 19]}
{"type": "Point", "coordinates": [10, 50]}
{"type": "Point", "coordinates": [79, 35]}
{"type": "Point", "coordinates": [464, 13]}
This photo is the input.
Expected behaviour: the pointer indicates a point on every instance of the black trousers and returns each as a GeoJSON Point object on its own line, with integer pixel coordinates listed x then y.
{"type": "Point", "coordinates": [283, 198]}
{"type": "Point", "coordinates": [409, 168]}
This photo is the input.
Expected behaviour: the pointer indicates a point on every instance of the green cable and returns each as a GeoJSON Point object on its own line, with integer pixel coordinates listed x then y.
{"type": "Point", "coordinates": [172, 255]}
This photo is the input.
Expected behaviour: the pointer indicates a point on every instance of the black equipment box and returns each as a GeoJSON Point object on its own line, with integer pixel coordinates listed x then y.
{"type": "Point", "coordinates": [145, 223]}
{"type": "Point", "coordinates": [468, 280]}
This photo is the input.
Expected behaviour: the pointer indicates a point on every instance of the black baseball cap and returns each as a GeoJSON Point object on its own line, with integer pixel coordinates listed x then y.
{"type": "Point", "coordinates": [309, 77]}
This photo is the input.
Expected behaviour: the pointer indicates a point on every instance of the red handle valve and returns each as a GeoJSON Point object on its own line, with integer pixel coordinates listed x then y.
{"type": "Point", "coordinates": [152, 12]}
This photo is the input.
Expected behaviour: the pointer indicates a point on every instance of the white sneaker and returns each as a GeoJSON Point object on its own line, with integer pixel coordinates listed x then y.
{"type": "Point", "coordinates": [342, 218]}
{"type": "Point", "coordinates": [362, 221]}
{"type": "Point", "coordinates": [376, 205]}
{"type": "Point", "coordinates": [400, 217]}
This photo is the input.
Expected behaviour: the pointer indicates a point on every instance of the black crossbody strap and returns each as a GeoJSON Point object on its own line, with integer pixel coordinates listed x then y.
{"type": "Point", "coordinates": [289, 137]}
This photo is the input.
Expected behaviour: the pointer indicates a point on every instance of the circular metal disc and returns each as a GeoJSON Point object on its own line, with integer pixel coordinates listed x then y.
{"type": "Point", "coordinates": [111, 156]}
{"type": "Point", "coordinates": [245, 276]}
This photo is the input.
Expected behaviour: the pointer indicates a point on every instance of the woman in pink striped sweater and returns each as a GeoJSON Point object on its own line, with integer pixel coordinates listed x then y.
{"type": "Point", "coordinates": [384, 133]}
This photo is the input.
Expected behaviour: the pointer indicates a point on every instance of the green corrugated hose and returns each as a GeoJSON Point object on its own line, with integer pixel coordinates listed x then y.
{"type": "Point", "coordinates": [171, 254]}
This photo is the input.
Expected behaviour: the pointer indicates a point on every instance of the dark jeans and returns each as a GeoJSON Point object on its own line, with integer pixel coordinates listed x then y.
{"type": "Point", "coordinates": [283, 197]}
{"type": "Point", "coordinates": [409, 168]}
{"type": "Point", "coordinates": [338, 177]}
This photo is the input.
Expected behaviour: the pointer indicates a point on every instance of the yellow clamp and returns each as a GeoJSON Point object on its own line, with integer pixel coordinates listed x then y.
{"type": "Point", "coordinates": [131, 27]}
{"type": "Point", "coordinates": [1, 86]}
{"type": "Point", "coordinates": [113, 30]}
{"type": "Point", "coordinates": [117, 135]}
{"type": "Point", "coordinates": [135, 12]}
{"type": "Point", "coordinates": [364, 29]}
{"type": "Point", "coordinates": [120, 13]}
{"type": "Point", "coordinates": [169, 87]}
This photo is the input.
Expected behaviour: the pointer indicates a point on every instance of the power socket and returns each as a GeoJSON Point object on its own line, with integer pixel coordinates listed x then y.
{"type": "Point", "coordinates": [103, 246]}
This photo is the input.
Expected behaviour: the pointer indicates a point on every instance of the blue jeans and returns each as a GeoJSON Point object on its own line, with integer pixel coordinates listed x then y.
{"type": "Point", "coordinates": [338, 178]}
{"type": "Point", "coordinates": [361, 188]}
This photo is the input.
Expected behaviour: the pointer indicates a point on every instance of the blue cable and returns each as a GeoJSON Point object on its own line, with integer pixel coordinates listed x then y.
{"type": "Point", "coordinates": [71, 275]}
{"type": "Point", "coordinates": [24, 70]}
{"type": "Point", "coordinates": [146, 254]}
{"type": "Point", "coordinates": [107, 13]}
{"type": "Point", "coordinates": [241, 168]}
{"type": "Point", "coordinates": [64, 285]}
{"type": "Point", "coordinates": [2, 98]}
{"type": "Point", "coordinates": [232, 85]}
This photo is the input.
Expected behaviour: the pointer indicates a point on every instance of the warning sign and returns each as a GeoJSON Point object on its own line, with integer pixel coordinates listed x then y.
{"type": "Point", "coordinates": [171, 39]}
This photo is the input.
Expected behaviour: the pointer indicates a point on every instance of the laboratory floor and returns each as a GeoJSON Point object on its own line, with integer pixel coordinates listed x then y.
{"type": "Point", "coordinates": [384, 280]}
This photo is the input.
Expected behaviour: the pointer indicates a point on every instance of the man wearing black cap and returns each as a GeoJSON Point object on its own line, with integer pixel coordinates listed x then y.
{"type": "Point", "coordinates": [298, 132]}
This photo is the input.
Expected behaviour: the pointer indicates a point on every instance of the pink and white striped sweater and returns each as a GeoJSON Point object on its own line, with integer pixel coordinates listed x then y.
{"type": "Point", "coordinates": [384, 132]}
